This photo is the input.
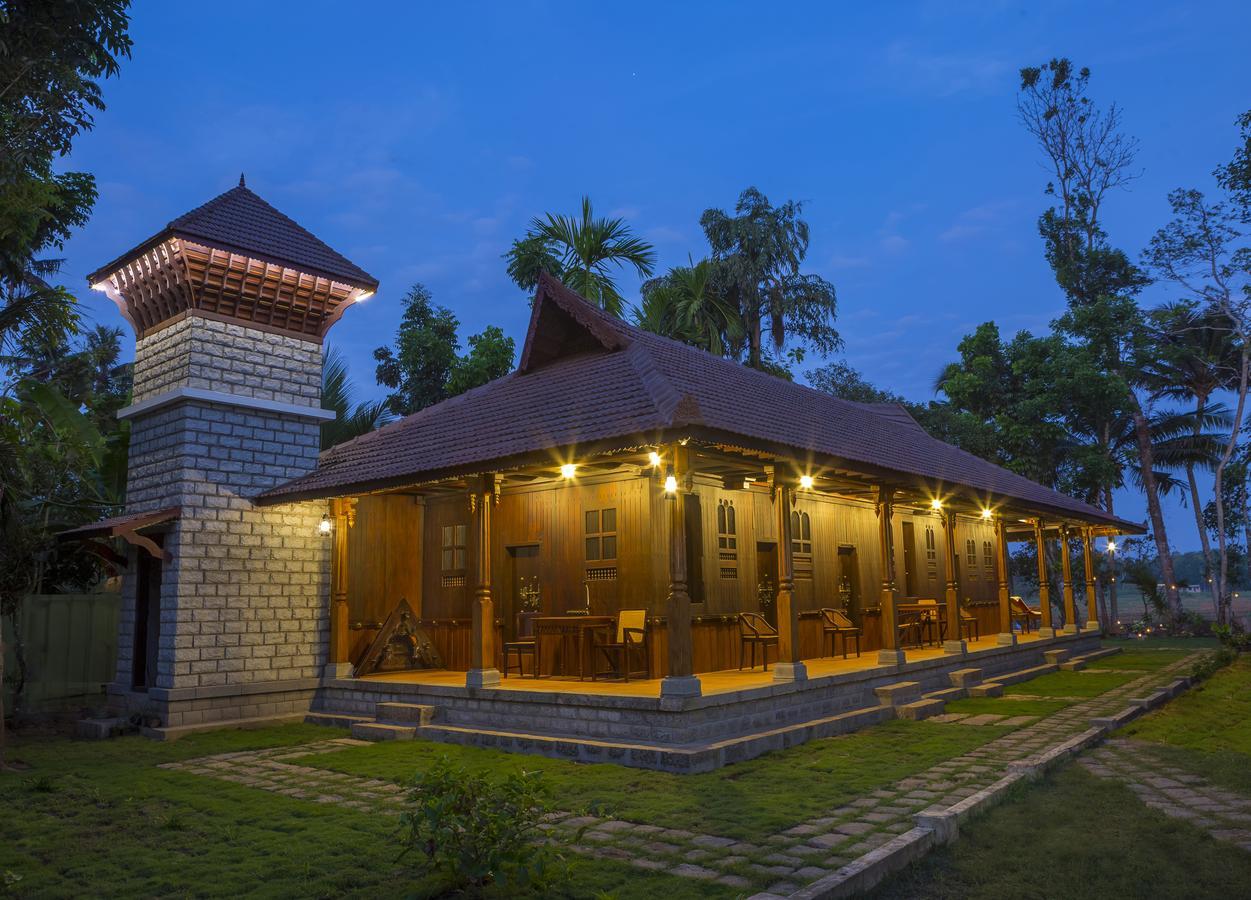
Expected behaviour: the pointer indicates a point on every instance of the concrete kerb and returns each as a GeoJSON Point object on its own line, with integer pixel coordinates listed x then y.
{"type": "Point", "coordinates": [860, 875]}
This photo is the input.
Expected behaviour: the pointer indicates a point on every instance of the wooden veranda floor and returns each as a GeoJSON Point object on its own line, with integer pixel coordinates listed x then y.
{"type": "Point", "coordinates": [713, 682]}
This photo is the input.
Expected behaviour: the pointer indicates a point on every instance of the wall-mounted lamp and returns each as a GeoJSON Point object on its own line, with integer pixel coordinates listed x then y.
{"type": "Point", "coordinates": [936, 504]}
{"type": "Point", "coordinates": [568, 470]}
{"type": "Point", "coordinates": [324, 527]}
{"type": "Point", "coordinates": [986, 514]}
{"type": "Point", "coordinates": [1111, 546]}
{"type": "Point", "coordinates": [671, 481]}
{"type": "Point", "coordinates": [654, 459]}
{"type": "Point", "coordinates": [805, 482]}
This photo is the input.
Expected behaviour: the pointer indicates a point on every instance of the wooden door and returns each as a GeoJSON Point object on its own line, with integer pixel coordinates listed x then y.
{"type": "Point", "coordinates": [849, 580]}
{"type": "Point", "coordinates": [767, 566]}
{"type": "Point", "coordinates": [522, 576]}
{"type": "Point", "coordinates": [147, 634]}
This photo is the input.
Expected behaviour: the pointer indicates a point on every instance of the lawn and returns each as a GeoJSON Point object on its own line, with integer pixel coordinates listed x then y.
{"type": "Point", "coordinates": [1020, 705]}
{"type": "Point", "coordinates": [1072, 684]}
{"type": "Point", "coordinates": [97, 819]}
{"type": "Point", "coordinates": [1075, 836]}
{"type": "Point", "coordinates": [749, 800]}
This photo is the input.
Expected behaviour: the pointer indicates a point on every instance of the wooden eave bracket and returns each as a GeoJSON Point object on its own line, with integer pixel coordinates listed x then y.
{"type": "Point", "coordinates": [134, 538]}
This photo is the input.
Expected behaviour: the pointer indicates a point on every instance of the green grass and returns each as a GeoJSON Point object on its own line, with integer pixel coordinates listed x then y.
{"type": "Point", "coordinates": [98, 819]}
{"type": "Point", "coordinates": [749, 800]}
{"type": "Point", "coordinates": [1072, 684]}
{"type": "Point", "coordinates": [1007, 706]}
{"type": "Point", "coordinates": [1151, 655]}
{"type": "Point", "coordinates": [1075, 836]}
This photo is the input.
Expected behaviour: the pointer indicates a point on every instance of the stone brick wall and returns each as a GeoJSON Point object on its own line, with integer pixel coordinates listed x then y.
{"type": "Point", "coordinates": [245, 601]}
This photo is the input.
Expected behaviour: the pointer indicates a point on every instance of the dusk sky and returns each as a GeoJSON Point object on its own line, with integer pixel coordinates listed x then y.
{"type": "Point", "coordinates": [419, 139]}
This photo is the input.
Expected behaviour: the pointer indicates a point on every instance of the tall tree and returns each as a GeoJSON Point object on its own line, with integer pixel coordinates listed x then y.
{"type": "Point", "coordinates": [1089, 157]}
{"type": "Point", "coordinates": [687, 304]}
{"type": "Point", "coordinates": [352, 419]}
{"type": "Point", "coordinates": [425, 366]}
{"type": "Point", "coordinates": [758, 252]}
{"type": "Point", "coordinates": [583, 252]}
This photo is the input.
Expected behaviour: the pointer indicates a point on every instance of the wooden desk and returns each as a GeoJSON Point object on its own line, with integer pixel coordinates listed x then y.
{"type": "Point", "coordinates": [575, 627]}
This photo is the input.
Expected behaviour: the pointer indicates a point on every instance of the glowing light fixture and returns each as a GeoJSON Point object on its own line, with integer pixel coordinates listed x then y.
{"type": "Point", "coordinates": [364, 295]}
{"type": "Point", "coordinates": [1111, 546]}
{"type": "Point", "coordinates": [805, 482]}
{"type": "Point", "coordinates": [568, 470]}
{"type": "Point", "coordinates": [324, 527]}
{"type": "Point", "coordinates": [986, 513]}
{"type": "Point", "coordinates": [100, 286]}
{"type": "Point", "coordinates": [671, 482]}
{"type": "Point", "coordinates": [936, 504]}
{"type": "Point", "coordinates": [654, 459]}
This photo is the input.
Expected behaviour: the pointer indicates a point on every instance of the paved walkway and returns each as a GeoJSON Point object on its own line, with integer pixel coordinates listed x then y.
{"type": "Point", "coordinates": [1224, 814]}
{"type": "Point", "coordinates": [781, 863]}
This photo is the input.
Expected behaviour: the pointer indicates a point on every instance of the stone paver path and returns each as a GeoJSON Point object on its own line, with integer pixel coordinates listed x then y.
{"type": "Point", "coordinates": [780, 863]}
{"type": "Point", "coordinates": [1224, 814]}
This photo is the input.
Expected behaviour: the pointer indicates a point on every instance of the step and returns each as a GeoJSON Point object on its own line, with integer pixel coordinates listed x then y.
{"type": "Point", "coordinates": [1026, 674]}
{"type": "Point", "coordinates": [101, 729]}
{"type": "Point", "coordinates": [948, 694]}
{"type": "Point", "coordinates": [334, 720]}
{"type": "Point", "coordinates": [965, 678]}
{"type": "Point", "coordinates": [899, 693]}
{"type": "Point", "coordinates": [1055, 657]}
{"type": "Point", "coordinates": [1073, 665]}
{"type": "Point", "coordinates": [1100, 653]}
{"type": "Point", "coordinates": [986, 689]}
{"type": "Point", "coordinates": [404, 713]}
{"type": "Point", "coordinates": [920, 709]}
{"type": "Point", "coordinates": [381, 731]}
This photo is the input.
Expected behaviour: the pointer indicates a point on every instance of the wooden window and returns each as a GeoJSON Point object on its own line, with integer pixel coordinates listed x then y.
{"type": "Point", "coordinates": [931, 547]}
{"type": "Point", "coordinates": [988, 556]}
{"type": "Point", "coordinates": [801, 533]}
{"type": "Point", "coordinates": [970, 551]}
{"type": "Point", "coordinates": [601, 534]}
{"type": "Point", "coordinates": [454, 547]}
{"type": "Point", "coordinates": [727, 539]}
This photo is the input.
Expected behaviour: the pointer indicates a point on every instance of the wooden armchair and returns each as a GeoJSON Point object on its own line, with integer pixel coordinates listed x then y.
{"type": "Point", "coordinates": [630, 640]}
{"type": "Point", "coordinates": [932, 623]}
{"type": "Point", "coordinates": [525, 644]}
{"type": "Point", "coordinates": [1024, 613]}
{"type": "Point", "coordinates": [755, 631]}
{"type": "Point", "coordinates": [968, 623]}
{"type": "Point", "coordinates": [909, 625]}
{"type": "Point", "coordinates": [835, 623]}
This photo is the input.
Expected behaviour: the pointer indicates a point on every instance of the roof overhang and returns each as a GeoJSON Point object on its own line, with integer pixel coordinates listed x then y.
{"type": "Point", "coordinates": [127, 528]}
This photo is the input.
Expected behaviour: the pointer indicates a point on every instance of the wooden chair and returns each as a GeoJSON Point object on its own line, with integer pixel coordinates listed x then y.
{"type": "Point", "coordinates": [834, 623]}
{"type": "Point", "coordinates": [931, 620]}
{"type": "Point", "coordinates": [969, 624]}
{"type": "Point", "coordinates": [1023, 612]}
{"type": "Point", "coordinates": [910, 624]}
{"type": "Point", "coordinates": [526, 644]}
{"type": "Point", "coordinates": [755, 631]}
{"type": "Point", "coordinates": [631, 637]}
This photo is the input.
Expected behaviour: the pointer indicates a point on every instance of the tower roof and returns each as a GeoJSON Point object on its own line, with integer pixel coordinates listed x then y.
{"type": "Point", "coordinates": [239, 220]}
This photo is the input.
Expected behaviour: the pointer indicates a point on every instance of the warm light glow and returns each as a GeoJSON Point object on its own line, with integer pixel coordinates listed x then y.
{"type": "Point", "coordinates": [805, 482]}
{"type": "Point", "coordinates": [936, 504]}
{"type": "Point", "coordinates": [364, 295]}
{"type": "Point", "coordinates": [654, 459]}
{"type": "Point", "coordinates": [986, 514]}
{"type": "Point", "coordinates": [324, 526]}
{"type": "Point", "coordinates": [100, 286]}
{"type": "Point", "coordinates": [671, 481]}
{"type": "Point", "coordinates": [1111, 546]}
{"type": "Point", "coordinates": [568, 470]}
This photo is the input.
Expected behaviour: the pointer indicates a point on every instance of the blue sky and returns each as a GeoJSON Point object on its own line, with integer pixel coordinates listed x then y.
{"type": "Point", "coordinates": [419, 139]}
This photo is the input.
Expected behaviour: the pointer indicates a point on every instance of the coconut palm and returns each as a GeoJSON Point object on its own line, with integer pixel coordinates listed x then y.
{"type": "Point", "coordinates": [353, 419]}
{"type": "Point", "coordinates": [686, 304]}
{"type": "Point", "coordinates": [581, 251]}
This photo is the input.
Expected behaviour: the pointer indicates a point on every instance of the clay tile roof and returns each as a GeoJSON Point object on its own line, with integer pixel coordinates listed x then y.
{"type": "Point", "coordinates": [587, 378]}
{"type": "Point", "coordinates": [241, 221]}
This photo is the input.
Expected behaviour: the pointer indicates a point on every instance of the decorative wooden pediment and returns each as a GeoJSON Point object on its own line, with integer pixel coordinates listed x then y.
{"type": "Point", "coordinates": [400, 645]}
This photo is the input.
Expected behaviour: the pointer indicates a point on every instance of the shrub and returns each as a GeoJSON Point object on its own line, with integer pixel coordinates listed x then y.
{"type": "Point", "coordinates": [1211, 663]}
{"type": "Point", "coordinates": [1235, 639]}
{"type": "Point", "coordinates": [480, 831]}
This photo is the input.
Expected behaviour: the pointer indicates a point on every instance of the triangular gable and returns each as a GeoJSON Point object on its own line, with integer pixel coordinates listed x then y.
{"type": "Point", "coordinates": [563, 324]}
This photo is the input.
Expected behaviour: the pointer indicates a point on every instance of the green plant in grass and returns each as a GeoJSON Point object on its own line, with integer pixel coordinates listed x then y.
{"type": "Point", "coordinates": [480, 831]}
{"type": "Point", "coordinates": [1211, 663]}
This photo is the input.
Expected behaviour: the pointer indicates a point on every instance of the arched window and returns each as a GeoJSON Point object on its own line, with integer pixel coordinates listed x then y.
{"type": "Point", "coordinates": [801, 533]}
{"type": "Point", "coordinates": [727, 539]}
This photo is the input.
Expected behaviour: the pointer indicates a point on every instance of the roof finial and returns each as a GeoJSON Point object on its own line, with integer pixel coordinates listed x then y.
{"type": "Point", "coordinates": [242, 183]}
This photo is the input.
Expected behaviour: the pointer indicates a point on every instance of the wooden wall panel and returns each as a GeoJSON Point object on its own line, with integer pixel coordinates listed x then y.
{"type": "Point", "coordinates": [384, 557]}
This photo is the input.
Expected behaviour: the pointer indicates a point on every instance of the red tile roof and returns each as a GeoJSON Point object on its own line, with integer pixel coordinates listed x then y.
{"type": "Point", "coordinates": [588, 379]}
{"type": "Point", "coordinates": [241, 221]}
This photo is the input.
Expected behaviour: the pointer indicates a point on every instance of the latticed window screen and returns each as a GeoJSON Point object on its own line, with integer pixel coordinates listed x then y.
{"type": "Point", "coordinates": [970, 551]}
{"type": "Point", "coordinates": [454, 547]}
{"type": "Point", "coordinates": [931, 547]}
{"type": "Point", "coordinates": [727, 530]}
{"type": "Point", "coordinates": [601, 534]}
{"type": "Point", "coordinates": [801, 533]}
{"type": "Point", "coordinates": [988, 555]}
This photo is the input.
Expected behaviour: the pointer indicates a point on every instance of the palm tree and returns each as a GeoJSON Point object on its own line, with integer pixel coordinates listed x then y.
{"type": "Point", "coordinates": [580, 251]}
{"type": "Point", "coordinates": [686, 305]}
{"type": "Point", "coordinates": [1199, 359]}
{"type": "Point", "coordinates": [336, 394]}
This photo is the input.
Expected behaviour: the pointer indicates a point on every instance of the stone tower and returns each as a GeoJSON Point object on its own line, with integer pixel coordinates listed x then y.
{"type": "Point", "coordinates": [225, 604]}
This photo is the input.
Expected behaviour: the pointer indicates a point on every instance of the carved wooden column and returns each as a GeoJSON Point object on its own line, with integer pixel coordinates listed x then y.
{"type": "Point", "coordinates": [482, 671]}
{"type": "Point", "coordinates": [343, 515]}
{"type": "Point", "coordinates": [1066, 575]}
{"type": "Point", "coordinates": [954, 643]}
{"type": "Point", "coordinates": [1088, 558]}
{"type": "Point", "coordinates": [681, 680]}
{"type": "Point", "coordinates": [890, 652]}
{"type": "Point", "coordinates": [1007, 637]}
{"type": "Point", "coordinates": [789, 667]}
{"type": "Point", "coordinates": [1044, 586]}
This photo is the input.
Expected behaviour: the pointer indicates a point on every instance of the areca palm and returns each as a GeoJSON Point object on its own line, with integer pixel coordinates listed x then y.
{"type": "Point", "coordinates": [686, 305]}
{"type": "Point", "coordinates": [352, 420]}
{"type": "Point", "coordinates": [583, 252]}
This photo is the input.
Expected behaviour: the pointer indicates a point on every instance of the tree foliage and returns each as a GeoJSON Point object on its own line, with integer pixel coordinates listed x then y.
{"type": "Point", "coordinates": [425, 366]}
{"type": "Point", "coordinates": [688, 304]}
{"type": "Point", "coordinates": [352, 419]}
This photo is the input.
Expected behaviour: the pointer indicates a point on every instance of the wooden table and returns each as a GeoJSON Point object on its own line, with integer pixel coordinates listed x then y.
{"type": "Point", "coordinates": [920, 610]}
{"type": "Point", "coordinates": [576, 627]}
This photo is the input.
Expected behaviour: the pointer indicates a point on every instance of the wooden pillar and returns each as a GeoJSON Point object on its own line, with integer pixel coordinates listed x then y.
{"type": "Point", "coordinates": [789, 667]}
{"type": "Point", "coordinates": [1066, 575]}
{"type": "Point", "coordinates": [681, 680]}
{"type": "Point", "coordinates": [890, 652]}
{"type": "Point", "coordinates": [1044, 587]}
{"type": "Point", "coordinates": [954, 643]}
{"type": "Point", "coordinates": [482, 671]}
{"type": "Point", "coordinates": [343, 517]}
{"type": "Point", "coordinates": [1007, 637]}
{"type": "Point", "coordinates": [1088, 558]}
